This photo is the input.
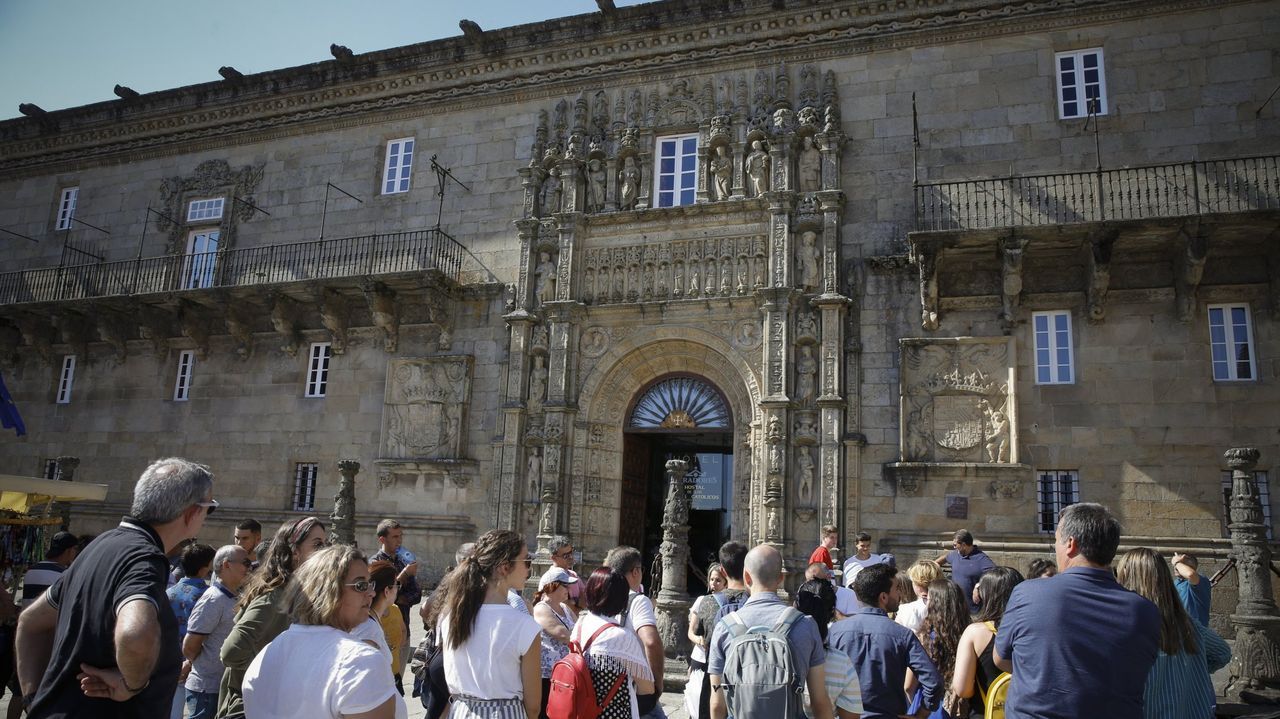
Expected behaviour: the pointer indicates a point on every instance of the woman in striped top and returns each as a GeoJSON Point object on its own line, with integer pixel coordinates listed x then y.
{"type": "Point", "coordinates": [1178, 685]}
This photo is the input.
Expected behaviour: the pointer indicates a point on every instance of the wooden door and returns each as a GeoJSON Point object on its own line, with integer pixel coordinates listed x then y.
{"type": "Point", "coordinates": [635, 490]}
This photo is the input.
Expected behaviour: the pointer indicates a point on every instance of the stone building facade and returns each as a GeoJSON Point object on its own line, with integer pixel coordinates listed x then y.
{"type": "Point", "coordinates": [828, 252]}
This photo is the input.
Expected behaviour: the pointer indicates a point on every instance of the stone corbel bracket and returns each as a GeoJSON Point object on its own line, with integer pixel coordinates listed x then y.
{"type": "Point", "coordinates": [76, 330]}
{"type": "Point", "coordinates": [1005, 489]}
{"type": "Point", "coordinates": [1012, 251]}
{"type": "Point", "coordinates": [114, 330]}
{"type": "Point", "coordinates": [239, 322]}
{"type": "Point", "coordinates": [457, 472]}
{"type": "Point", "coordinates": [385, 310]}
{"type": "Point", "coordinates": [10, 339]}
{"type": "Point", "coordinates": [195, 326]}
{"type": "Point", "coordinates": [1098, 268]}
{"type": "Point", "coordinates": [284, 318]}
{"type": "Point", "coordinates": [1192, 248]}
{"type": "Point", "coordinates": [156, 325]}
{"type": "Point", "coordinates": [335, 315]}
{"type": "Point", "coordinates": [38, 333]}
{"type": "Point", "coordinates": [925, 256]}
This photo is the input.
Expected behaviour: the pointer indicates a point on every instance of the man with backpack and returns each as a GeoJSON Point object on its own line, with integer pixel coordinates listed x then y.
{"type": "Point", "coordinates": [641, 620]}
{"type": "Point", "coordinates": [882, 650]}
{"type": "Point", "coordinates": [763, 654]}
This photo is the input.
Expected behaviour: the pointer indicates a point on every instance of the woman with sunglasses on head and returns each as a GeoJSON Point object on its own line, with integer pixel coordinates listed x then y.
{"type": "Point", "coordinates": [1178, 685]}
{"type": "Point", "coordinates": [385, 629]}
{"type": "Point", "coordinates": [492, 652]}
{"type": "Point", "coordinates": [260, 613]}
{"type": "Point", "coordinates": [316, 668]}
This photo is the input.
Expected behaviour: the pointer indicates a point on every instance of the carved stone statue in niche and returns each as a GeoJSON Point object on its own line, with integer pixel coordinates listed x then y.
{"type": "Point", "coordinates": [810, 168]}
{"type": "Point", "coordinates": [806, 369]}
{"type": "Point", "coordinates": [533, 476]}
{"type": "Point", "coordinates": [546, 278]}
{"type": "Point", "coordinates": [997, 433]}
{"type": "Point", "coordinates": [551, 192]}
{"type": "Point", "coordinates": [807, 258]}
{"type": "Point", "coordinates": [629, 187]}
{"type": "Point", "coordinates": [806, 326]}
{"type": "Point", "coordinates": [596, 184]}
{"type": "Point", "coordinates": [424, 407]}
{"type": "Point", "coordinates": [537, 384]}
{"type": "Point", "coordinates": [804, 475]}
{"type": "Point", "coordinates": [758, 168]}
{"type": "Point", "coordinates": [722, 171]}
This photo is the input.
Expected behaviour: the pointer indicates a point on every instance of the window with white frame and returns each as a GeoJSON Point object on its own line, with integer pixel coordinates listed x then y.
{"type": "Point", "coordinates": [1264, 496]}
{"type": "Point", "coordinates": [66, 378]}
{"type": "Point", "coordinates": [205, 210]}
{"type": "Point", "coordinates": [399, 166]}
{"type": "Point", "coordinates": [1056, 490]}
{"type": "Point", "coordinates": [1231, 343]}
{"type": "Point", "coordinates": [51, 470]}
{"type": "Point", "coordinates": [1082, 83]}
{"type": "Point", "coordinates": [202, 257]}
{"type": "Point", "coordinates": [67, 207]}
{"type": "Point", "coordinates": [182, 385]}
{"type": "Point", "coordinates": [318, 370]}
{"type": "Point", "coordinates": [676, 170]}
{"type": "Point", "coordinates": [304, 486]}
{"type": "Point", "coordinates": [1054, 359]}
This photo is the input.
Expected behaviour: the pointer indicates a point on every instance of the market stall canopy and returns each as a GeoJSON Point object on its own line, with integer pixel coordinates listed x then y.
{"type": "Point", "coordinates": [20, 494]}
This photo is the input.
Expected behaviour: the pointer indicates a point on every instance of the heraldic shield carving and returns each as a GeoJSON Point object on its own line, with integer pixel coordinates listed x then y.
{"type": "Point", "coordinates": [957, 400]}
{"type": "Point", "coordinates": [424, 410]}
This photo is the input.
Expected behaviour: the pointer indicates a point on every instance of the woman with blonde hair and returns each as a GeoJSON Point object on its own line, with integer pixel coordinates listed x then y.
{"type": "Point", "coordinates": [492, 652]}
{"type": "Point", "coordinates": [1178, 685]}
{"type": "Point", "coordinates": [315, 668]}
{"type": "Point", "coordinates": [922, 573]}
{"type": "Point", "coordinates": [701, 615]}
{"type": "Point", "coordinates": [260, 615]}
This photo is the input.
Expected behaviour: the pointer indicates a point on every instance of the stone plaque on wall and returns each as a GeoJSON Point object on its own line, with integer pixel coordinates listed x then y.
{"type": "Point", "coordinates": [957, 400]}
{"type": "Point", "coordinates": [425, 407]}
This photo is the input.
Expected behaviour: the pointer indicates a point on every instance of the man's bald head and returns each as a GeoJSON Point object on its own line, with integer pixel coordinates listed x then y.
{"type": "Point", "coordinates": [763, 569]}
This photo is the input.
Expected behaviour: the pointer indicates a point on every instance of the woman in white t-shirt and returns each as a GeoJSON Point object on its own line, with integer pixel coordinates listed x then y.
{"type": "Point", "coordinates": [316, 668]}
{"type": "Point", "coordinates": [492, 652]}
{"type": "Point", "coordinates": [911, 614]}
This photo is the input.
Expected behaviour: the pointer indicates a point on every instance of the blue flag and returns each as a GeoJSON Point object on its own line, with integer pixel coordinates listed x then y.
{"type": "Point", "coordinates": [9, 417]}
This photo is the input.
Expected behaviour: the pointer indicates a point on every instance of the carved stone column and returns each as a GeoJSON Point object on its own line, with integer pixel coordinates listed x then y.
{"type": "Point", "coordinates": [1255, 668]}
{"type": "Point", "coordinates": [673, 596]}
{"type": "Point", "coordinates": [343, 516]}
{"type": "Point", "coordinates": [67, 473]}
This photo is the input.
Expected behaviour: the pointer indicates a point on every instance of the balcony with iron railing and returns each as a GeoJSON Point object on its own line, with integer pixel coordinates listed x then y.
{"type": "Point", "coordinates": [431, 251]}
{"type": "Point", "coordinates": [1239, 185]}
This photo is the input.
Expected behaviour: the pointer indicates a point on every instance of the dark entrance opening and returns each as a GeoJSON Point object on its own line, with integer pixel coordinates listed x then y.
{"type": "Point", "coordinates": [678, 418]}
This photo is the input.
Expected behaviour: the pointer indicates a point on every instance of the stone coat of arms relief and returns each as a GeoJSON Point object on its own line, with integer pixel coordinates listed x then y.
{"type": "Point", "coordinates": [957, 400]}
{"type": "Point", "coordinates": [424, 419]}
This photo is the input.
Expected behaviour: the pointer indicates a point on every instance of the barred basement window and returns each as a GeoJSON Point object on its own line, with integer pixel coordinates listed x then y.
{"type": "Point", "coordinates": [676, 170]}
{"type": "Point", "coordinates": [318, 370]}
{"type": "Point", "coordinates": [1231, 343]}
{"type": "Point", "coordinates": [67, 207]}
{"type": "Point", "coordinates": [304, 486]}
{"type": "Point", "coordinates": [66, 378]}
{"type": "Point", "coordinates": [1056, 490]}
{"type": "Point", "coordinates": [1054, 360]}
{"type": "Point", "coordinates": [1264, 496]}
{"type": "Point", "coordinates": [51, 470]}
{"type": "Point", "coordinates": [399, 166]}
{"type": "Point", "coordinates": [1082, 84]}
{"type": "Point", "coordinates": [182, 385]}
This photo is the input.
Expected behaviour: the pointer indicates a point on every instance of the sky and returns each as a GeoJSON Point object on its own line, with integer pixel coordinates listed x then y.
{"type": "Point", "coordinates": [66, 53]}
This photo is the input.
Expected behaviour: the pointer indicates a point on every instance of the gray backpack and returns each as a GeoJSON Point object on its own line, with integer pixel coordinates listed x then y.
{"type": "Point", "coordinates": [760, 680]}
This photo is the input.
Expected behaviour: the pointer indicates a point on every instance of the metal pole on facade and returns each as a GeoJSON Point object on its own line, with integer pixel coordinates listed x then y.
{"type": "Point", "coordinates": [343, 516]}
{"type": "Point", "coordinates": [1255, 669]}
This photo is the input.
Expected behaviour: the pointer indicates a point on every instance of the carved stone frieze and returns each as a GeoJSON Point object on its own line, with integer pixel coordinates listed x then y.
{"type": "Point", "coordinates": [957, 400]}
{"type": "Point", "coordinates": [683, 269]}
{"type": "Point", "coordinates": [425, 407]}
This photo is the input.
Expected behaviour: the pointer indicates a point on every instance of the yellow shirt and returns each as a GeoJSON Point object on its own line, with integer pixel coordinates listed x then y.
{"type": "Point", "coordinates": [393, 627]}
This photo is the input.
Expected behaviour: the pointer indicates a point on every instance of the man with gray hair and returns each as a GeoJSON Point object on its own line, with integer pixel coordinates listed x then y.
{"type": "Point", "coordinates": [102, 641]}
{"type": "Point", "coordinates": [640, 619]}
{"type": "Point", "coordinates": [562, 556]}
{"type": "Point", "coordinates": [1080, 645]}
{"type": "Point", "coordinates": [762, 573]}
{"type": "Point", "coordinates": [207, 628]}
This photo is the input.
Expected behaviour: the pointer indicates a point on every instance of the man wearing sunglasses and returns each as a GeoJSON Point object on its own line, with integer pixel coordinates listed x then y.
{"type": "Point", "coordinates": [102, 641]}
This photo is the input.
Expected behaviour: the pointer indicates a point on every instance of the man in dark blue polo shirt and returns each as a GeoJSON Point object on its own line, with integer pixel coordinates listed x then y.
{"type": "Point", "coordinates": [102, 642]}
{"type": "Point", "coordinates": [968, 564]}
{"type": "Point", "coordinates": [882, 650]}
{"type": "Point", "coordinates": [1079, 644]}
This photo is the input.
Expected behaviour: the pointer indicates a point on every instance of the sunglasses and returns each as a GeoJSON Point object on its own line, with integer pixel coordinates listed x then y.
{"type": "Point", "coordinates": [211, 505]}
{"type": "Point", "coordinates": [361, 585]}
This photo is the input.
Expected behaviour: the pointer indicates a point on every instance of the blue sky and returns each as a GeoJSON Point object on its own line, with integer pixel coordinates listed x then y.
{"type": "Point", "coordinates": [64, 53]}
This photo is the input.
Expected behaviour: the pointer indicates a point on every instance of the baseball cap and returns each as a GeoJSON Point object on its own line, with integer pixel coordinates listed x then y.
{"type": "Point", "coordinates": [61, 542]}
{"type": "Point", "coordinates": [556, 574]}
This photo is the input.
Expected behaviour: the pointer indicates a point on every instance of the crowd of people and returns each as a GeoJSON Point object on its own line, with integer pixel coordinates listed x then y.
{"type": "Point", "coordinates": [295, 627]}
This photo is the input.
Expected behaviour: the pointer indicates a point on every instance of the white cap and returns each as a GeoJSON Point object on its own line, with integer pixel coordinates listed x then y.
{"type": "Point", "coordinates": [556, 574]}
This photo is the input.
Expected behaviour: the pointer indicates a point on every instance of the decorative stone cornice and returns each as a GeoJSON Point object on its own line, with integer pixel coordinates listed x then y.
{"type": "Point", "coordinates": [539, 60]}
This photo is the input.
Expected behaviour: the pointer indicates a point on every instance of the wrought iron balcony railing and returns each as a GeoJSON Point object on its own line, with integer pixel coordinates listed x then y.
{"type": "Point", "coordinates": [1191, 188]}
{"type": "Point", "coordinates": [413, 251]}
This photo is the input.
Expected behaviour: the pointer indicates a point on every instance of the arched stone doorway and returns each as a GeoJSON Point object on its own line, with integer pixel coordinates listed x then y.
{"type": "Point", "coordinates": [678, 416]}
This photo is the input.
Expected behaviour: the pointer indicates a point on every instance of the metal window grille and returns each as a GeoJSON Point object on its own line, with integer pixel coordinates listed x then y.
{"type": "Point", "coordinates": [318, 370]}
{"type": "Point", "coordinates": [1264, 495]}
{"type": "Point", "coordinates": [1056, 490]}
{"type": "Point", "coordinates": [304, 486]}
{"type": "Point", "coordinates": [51, 470]}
